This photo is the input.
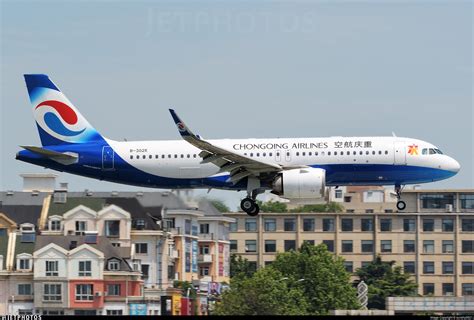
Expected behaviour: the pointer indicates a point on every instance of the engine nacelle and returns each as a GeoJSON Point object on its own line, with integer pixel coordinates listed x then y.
{"type": "Point", "coordinates": [305, 183]}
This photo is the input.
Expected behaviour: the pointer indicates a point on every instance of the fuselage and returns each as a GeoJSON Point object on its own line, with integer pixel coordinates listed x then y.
{"type": "Point", "coordinates": [176, 164]}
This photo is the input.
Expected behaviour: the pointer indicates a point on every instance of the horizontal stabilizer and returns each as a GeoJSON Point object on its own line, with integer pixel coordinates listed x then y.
{"type": "Point", "coordinates": [63, 158]}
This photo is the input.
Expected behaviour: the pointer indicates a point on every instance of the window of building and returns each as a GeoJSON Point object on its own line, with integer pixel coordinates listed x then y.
{"type": "Point", "coordinates": [85, 268]}
{"type": "Point", "coordinates": [113, 289]}
{"type": "Point", "coordinates": [136, 264]}
{"type": "Point", "coordinates": [145, 271]}
{"type": "Point", "coordinates": [290, 224]}
{"type": "Point", "coordinates": [112, 312]}
{"type": "Point", "coordinates": [269, 224]}
{"type": "Point", "coordinates": [290, 245]}
{"type": "Point", "coordinates": [233, 246]}
{"type": "Point", "coordinates": [52, 268]}
{"type": "Point", "coordinates": [364, 264]}
{"type": "Point", "coordinates": [252, 266]}
{"type": "Point", "coordinates": [55, 225]}
{"type": "Point", "coordinates": [311, 242]}
{"type": "Point", "coordinates": [204, 271]}
{"type": "Point", "coordinates": [52, 292]}
{"type": "Point", "coordinates": [28, 237]}
{"type": "Point", "coordinates": [141, 248]}
{"type": "Point", "coordinates": [409, 225]}
{"type": "Point", "coordinates": [409, 246]}
{"type": "Point", "coordinates": [84, 292]}
{"type": "Point", "coordinates": [81, 226]}
{"type": "Point", "coordinates": [448, 246]}
{"type": "Point", "coordinates": [388, 210]}
{"type": "Point", "coordinates": [346, 224]}
{"type": "Point", "coordinates": [468, 246]}
{"type": "Point", "coordinates": [233, 226]}
{"type": "Point", "coordinates": [448, 267]}
{"type": "Point", "coordinates": [467, 267]}
{"type": "Point", "coordinates": [204, 228]}
{"type": "Point", "coordinates": [367, 224]}
{"type": "Point", "coordinates": [347, 246]}
{"type": "Point", "coordinates": [386, 245]}
{"type": "Point", "coordinates": [468, 289]}
{"type": "Point", "coordinates": [428, 289]}
{"type": "Point", "coordinates": [251, 224]}
{"type": "Point", "coordinates": [385, 224]}
{"type": "Point", "coordinates": [23, 312]}
{"type": "Point", "coordinates": [112, 228]}
{"type": "Point", "coordinates": [308, 224]}
{"type": "Point", "coordinates": [338, 194]}
{"type": "Point", "coordinates": [270, 246]}
{"type": "Point", "coordinates": [328, 224]}
{"type": "Point", "coordinates": [467, 201]}
{"type": "Point", "coordinates": [267, 263]}
{"type": "Point", "coordinates": [428, 267]}
{"type": "Point", "coordinates": [113, 265]}
{"type": "Point", "coordinates": [250, 246]}
{"type": "Point", "coordinates": [428, 246]}
{"type": "Point", "coordinates": [347, 199]}
{"type": "Point", "coordinates": [428, 225]}
{"type": "Point", "coordinates": [436, 201]}
{"type": "Point", "coordinates": [448, 225]}
{"type": "Point", "coordinates": [409, 266]}
{"type": "Point", "coordinates": [52, 312]}
{"type": "Point", "coordinates": [350, 210]}
{"type": "Point", "coordinates": [467, 225]}
{"type": "Point", "coordinates": [204, 249]}
{"type": "Point", "coordinates": [24, 289]}
{"type": "Point", "coordinates": [329, 244]}
{"type": "Point", "coordinates": [448, 289]}
{"type": "Point", "coordinates": [24, 264]}
{"type": "Point", "coordinates": [349, 266]}
{"type": "Point", "coordinates": [367, 246]}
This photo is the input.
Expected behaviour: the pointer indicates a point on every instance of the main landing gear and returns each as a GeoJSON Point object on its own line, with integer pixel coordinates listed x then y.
{"type": "Point", "coordinates": [250, 207]}
{"type": "Point", "coordinates": [253, 189]}
{"type": "Point", "coordinates": [401, 205]}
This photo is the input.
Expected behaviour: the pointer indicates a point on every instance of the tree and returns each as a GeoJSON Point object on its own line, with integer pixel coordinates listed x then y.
{"type": "Point", "coordinates": [272, 206]}
{"type": "Point", "coordinates": [220, 205]}
{"type": "Point", "coordinates": [240, 266]}
{"type": "Point", "coordinates": [323, 207]}
{"type": "Point", "coordinates": [267, 292]}
{"type": "Point", "coordinates": [326, 283]}
{"type": "Point", "coordinates": [385, 280]}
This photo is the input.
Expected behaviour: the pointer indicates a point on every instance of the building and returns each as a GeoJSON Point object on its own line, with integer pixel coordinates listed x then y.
{"type": "Point", "coordinates": [433, 239]}
{"type": "Point", "coordinates": [107, 253]}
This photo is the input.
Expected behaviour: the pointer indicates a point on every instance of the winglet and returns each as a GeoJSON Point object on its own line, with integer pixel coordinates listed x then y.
{"type": "Point", "coordinates": [182, 128]}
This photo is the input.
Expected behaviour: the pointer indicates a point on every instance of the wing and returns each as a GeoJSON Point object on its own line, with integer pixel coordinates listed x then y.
{"type": "Point", "coordinates": [238, 165]}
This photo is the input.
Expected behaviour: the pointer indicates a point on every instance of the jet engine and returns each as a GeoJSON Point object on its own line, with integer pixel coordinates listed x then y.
{"type": "Point", "coordinates": [304, 183]}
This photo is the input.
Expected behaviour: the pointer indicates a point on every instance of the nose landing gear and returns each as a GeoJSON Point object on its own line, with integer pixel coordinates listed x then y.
{"type": "Point", "coordinates": [401, 205]}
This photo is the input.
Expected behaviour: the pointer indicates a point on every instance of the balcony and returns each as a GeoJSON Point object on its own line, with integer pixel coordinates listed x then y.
{"type": "Point", "coordinates": [205, 258]}
{"type": "Point", "coordinates": [174, 254]}
{"type": "Point", "coordinates": [206, 236]}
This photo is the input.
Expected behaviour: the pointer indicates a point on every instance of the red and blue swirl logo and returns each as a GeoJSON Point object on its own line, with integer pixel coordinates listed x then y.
{"type": "Point", "coordinates": [67, 114]}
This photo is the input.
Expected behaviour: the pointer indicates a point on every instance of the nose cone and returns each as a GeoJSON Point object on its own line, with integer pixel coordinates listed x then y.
{"type": "Point", "coordinates": [453, 165]}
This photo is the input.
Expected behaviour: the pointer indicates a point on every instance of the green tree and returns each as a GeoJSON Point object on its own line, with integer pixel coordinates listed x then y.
{"type": "Point", "coordinates": [272, 206]}
{"type": "Point", "coordinates": [326, 283]}
{"type": "Point", "coordinates": [267, 292]}
{"type": "Point", "coordinates": [184, 286]}
{"type": "Point", "coordinates": [384, 279]}
{"type": "Point", "coordinates": [240, 266]}
{"type": "Point", "coordinates": [323, 207]}
{"type": "Point", "coordinates": [220, 205]}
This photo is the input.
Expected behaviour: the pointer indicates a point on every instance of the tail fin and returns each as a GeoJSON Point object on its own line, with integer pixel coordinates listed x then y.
{"type": "Point", "coordinates": [58, 121]}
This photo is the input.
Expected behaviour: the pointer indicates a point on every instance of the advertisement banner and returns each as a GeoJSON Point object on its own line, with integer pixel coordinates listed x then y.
{"type": "Point", "coordinates": [138, 309]}
{"type": "Point", "coordinates": [226, 260]}
{"type": "Point", "coordinates": [221, 259]}
{"type": "Point", "coordinates": [195, 256]}
{"type": "Point", "coordinates": [214, 288]}
{"type": "Point", "coordinates": [187, 255]}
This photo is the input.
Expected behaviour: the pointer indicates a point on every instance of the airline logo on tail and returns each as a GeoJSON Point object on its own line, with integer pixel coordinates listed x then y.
{"type": "Point", "coordinates": [58, 120]}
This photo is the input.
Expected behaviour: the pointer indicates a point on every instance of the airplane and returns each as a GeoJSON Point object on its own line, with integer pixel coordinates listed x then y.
{"type": "Point", "coordinates": [293, 168]}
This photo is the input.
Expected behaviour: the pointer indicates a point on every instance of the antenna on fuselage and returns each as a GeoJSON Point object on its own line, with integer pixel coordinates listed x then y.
{"type": "Point", "coordinates": [393, 134]}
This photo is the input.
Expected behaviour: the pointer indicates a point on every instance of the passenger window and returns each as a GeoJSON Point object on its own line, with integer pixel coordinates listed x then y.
{"type": "Point", "coordinates": [310, 153]}
{"type": "Point", "coordinates": [367, 152]}
{"type": "Point", "coordinates": [144, 157]}
{"type": "Point", "coordinates": [386, 152]}
{"type": "Point", "coordinates": [194, 156]}
{"type": "Point", "coordinates": [287, 154]}
{"type": "Point", "coordinates": [188, 156]}
{"type": "Point", "coordinates": [182, 156]}
{"type": "Point", "coordinates": [297, 154]}
{"type": "Point", "coordinates": [380, 151]}
{"type": "Point", "coordinates": [169, 156]}
{"type": "Point", "coordinates": [270, 154]}
{"type": "Point", "coordinates": [157, 156]}
{"type": "Point", "coordinates": [354, 153]}
{"type": "Point", "coordinates": [264, 154]}
{"type": "Point", "coordinates": [303, 154]}
{"type": "Point", "coordinates": [361, 152]}
{"type": "Point", "coordinates": [348, 153]}
{"type": "Point", "coordinates": [175, 156]}
{"type": "Point", "coordinates": [335, 153]}
{"type": "Point", "coordinates": [162, 156]}
{"type": "Point", "coordinates": [329, 153]}
{"type": "Point", "coordinates": [258, 154]}
{"type": "Point", "coordinates": [316, 153]}
{"type": "Point", "coordinates": [278, 154]}
{"type": "Point", "coordinates": [373, 153]}
{"type": "Point", "coordinates": [251, 154]}
{"type": "Point", "coordinates": [131, 157]}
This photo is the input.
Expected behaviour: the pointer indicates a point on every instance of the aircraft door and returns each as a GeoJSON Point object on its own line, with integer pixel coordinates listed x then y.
{"type": "Point", "coordinates": [278, 156]}
{"type": "Point", "coordinates": [399, 153]}
{"type": "Point", "coordinates": [288, 155]}
{"type": "Point", "coordinates": [108, 158]}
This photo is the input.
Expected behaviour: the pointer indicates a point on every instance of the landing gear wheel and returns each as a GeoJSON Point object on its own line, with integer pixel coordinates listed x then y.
{"type": "Point", "coordinates": [249, 206]}
{"type": "Point", "coordinates": [401, 205]}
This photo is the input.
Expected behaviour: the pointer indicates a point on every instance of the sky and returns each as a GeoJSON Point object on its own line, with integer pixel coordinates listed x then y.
{"type": "Point", "coordinates": [242, 69]}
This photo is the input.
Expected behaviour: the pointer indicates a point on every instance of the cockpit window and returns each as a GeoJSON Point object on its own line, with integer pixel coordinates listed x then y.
{"type": "Point", "coordinates": [432, 151]}
{"type": "Point", "coordinates": [425, 151]}
{"type": "Point", "coordinates": [438, 151]}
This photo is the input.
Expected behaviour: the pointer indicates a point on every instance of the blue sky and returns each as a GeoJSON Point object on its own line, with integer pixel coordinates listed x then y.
{"type": "Point", "coordinates": [240, 70]}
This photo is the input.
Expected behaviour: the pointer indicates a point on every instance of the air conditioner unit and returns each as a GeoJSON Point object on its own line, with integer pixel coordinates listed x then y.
{"type": "Point", "coordinates": [98, 294]}
{"type": "Point", "coordinates": [449, 208]}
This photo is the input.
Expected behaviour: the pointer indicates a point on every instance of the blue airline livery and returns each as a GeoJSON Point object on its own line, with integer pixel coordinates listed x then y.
{"type": "Point", "coordinates": [293, 168]}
